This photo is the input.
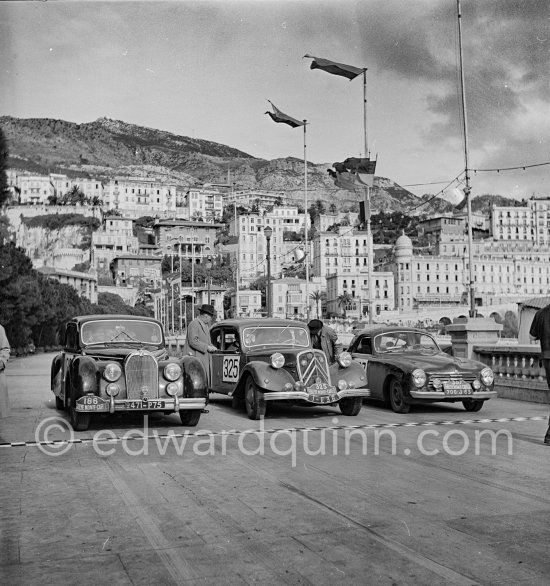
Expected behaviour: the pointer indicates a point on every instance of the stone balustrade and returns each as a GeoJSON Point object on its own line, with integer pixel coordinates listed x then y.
{"type": "Point", "coordinates": [519, 373]}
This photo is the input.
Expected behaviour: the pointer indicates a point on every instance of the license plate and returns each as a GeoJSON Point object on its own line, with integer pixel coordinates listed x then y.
{"type": "Point", "coordinates": [323, 399]}
{"type": "Point", "coordinates": [457, 387]}
{"type": "Point", "coordinates": [145, 405]}
{"type": "Point", "coordinates": [92, 403]}
{"type": "Point", "coordinates": [319, 388]}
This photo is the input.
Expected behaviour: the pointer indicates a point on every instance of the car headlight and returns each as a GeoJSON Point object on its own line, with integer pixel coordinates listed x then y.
{"type": "Point", "coordinates": [172, 371]}
{"type": "Point", "coordinates": [277, 360]}
{"type": "Point", "coordinates": [437, 383]}
{"type": "Point", "coordinates": [342, 385]}
{"type": "Point", "coordinates": [112, 389]}
{"type": "Point", "coordinates": [487, 377]}
{"type": "Point", "coordinates": [418, 377]}
{"type": "Point", "coordinates": [172, 389]}
{"type": "Point", "coordinates": [112, 372]}
{"type": "Point", "coordinates": [344, 359]}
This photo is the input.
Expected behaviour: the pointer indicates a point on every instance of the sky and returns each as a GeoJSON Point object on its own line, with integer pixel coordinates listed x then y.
{"type": "Point", "coordinates": [206, 69]}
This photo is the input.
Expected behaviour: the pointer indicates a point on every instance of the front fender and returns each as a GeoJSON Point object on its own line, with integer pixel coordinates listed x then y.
{"type": "Point", "coordinates": [84, 376]}
{"type": "Point", "coordinates": [195, 382]}
{"type": "Point", "coordinates": [56, 367]}
{"type": "Point", "coordinates": [265, 376]}
{"type": "Point", "coordinates": [354, 373]}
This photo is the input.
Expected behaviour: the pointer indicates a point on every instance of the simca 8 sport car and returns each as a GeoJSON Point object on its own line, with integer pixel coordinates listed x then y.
{"type": "Point", "coordinates": [405, 366]}
{"type": "Point", "coordinates": [113, 363]}
{"type": "Point", "coordinates": [261, 360]}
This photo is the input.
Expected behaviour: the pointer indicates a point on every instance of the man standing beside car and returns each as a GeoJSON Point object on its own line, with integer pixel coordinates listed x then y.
{"type": "Point", "coordinates": [198, 337]}
{"type": "Point", "coordinates": [540, 330]}
{"type": "Point", "coordinates": [4, 357]}
{"type": "Point", "coordinates": [325, 339]}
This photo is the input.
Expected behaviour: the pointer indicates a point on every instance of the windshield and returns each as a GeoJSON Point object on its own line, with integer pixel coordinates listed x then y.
{"type": "Point", "coordinates": [290, 336]}
{"type": "Point", "coordinates": [121, 332]}
{"type": "Point", "coordinates": [405, 342]}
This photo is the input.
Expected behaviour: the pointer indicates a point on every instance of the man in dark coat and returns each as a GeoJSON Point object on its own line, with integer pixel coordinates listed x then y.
{"type": "Point", "coordinates": [540, 330]}
{"type": "Point", "coordinates": [324, 338]}
{"type": "Point", "coordinates": [198, 337]}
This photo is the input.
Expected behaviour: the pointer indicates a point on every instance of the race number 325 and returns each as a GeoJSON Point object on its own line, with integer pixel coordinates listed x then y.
{"type": "Point", "coordinates": [230, 373]}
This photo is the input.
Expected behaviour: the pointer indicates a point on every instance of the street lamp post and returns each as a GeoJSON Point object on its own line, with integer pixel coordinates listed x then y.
{"type": "Point", "coordinates": [268, 231]}
{"type": "Point", "coordinates": [208, 267]}
{"type": "Point", "coordinates": [180, 239]}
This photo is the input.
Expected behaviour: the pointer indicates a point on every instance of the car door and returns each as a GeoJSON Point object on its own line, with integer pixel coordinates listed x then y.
{"type": "Point", "coordinates": [374, 369]}
{"type": "Point", "coordinates": [226, 360]}
{"type": "Point", "coordinates": [67, 356]}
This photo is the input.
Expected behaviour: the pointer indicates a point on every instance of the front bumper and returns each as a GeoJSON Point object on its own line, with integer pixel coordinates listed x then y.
{"type": "Point", "coordinates": [317, 398]}
{"type": "Point", "coordinates": [442, 396]}
{"type": "Point", "coordinates": [95, 404]}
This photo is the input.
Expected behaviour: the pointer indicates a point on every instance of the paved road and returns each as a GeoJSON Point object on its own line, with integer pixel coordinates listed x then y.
{"type": "Point", "coordinates": [301, 498]}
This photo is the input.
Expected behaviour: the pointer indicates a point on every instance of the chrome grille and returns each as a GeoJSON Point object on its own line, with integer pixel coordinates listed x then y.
{"type": "Point", "coordinates": [315, 369]}
{"type": "Point", "coordinates": [142, 378]}
{"type": "Point", "coordinates": [469, 377]}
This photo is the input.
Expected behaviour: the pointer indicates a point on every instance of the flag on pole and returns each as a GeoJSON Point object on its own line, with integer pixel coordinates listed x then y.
{"type": "Point", "coordinates": [348, 71]}
{"type": "Point", "coordinates": [456, 197]}
{"type": "Point", "coordinates": [353, 173]}
{"type": "Point", "coordinates": [278, 116]}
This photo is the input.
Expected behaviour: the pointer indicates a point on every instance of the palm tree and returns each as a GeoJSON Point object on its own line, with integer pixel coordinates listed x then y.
{"type": "Point", "coordinates": [317, 296]}
{"type": "Point", "coordinates": [344, 301]}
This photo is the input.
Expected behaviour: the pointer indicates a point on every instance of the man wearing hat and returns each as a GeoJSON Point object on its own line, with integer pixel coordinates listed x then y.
{"type": "Point", "coordinates": [325, 339]}
{"type": "Point", "coordinates": [198, 337]}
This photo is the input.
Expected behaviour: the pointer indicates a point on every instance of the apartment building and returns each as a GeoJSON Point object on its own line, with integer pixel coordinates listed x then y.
{"type": "Point", "coordinates": [204, 203]}
{"type": "Point", "coordinates": [140, 196]}
{"type": "Point", "coordinates": [252, 253]}
{"type": "Point", "coordinates": [193, 240]}
{"type": "Point", "coordinates": [85, 284]}
{"type": "Point", "coordinates": [115, 237]}
{"type": "Point", "coordinates": [34, 189]}
{"type": "Point", "coordinates": [131, 269]}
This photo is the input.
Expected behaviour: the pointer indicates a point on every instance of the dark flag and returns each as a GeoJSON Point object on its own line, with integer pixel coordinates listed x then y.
{"type": "Point", "coordinates": [348, 71]}
{"type": "Point", "coordinates": [353, 173]}
{"type": "Point", "coordinates": [278, 116]}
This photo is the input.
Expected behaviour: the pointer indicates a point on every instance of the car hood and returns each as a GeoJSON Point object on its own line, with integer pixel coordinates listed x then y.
{"type": "Point", "coordinates": [433, 363]}
{"type": "Point", "coordinates": [117, 353]}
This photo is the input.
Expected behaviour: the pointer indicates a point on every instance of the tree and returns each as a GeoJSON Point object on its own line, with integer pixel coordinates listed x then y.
{"type": "Point", "coordinates": [4, 191]}
{"type": "Point", "coordinates": [318, 297]}
{"type": "Point", "coordinates": [344, 302]}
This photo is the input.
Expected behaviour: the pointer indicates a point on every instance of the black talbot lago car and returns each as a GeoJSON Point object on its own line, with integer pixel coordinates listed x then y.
{"type": "Point", "coordinates": [261, 360]}
{"type": "Point", "coordinates": [113, 363]}
{"type": "Point", "coordinates": [405, 366]}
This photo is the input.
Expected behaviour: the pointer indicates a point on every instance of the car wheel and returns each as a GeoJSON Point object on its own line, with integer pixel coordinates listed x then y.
{"type": "Point", "coordinates": [397, 399]}
{"type": "Point", "coordinates": [473, 404]}
{"type": "Point", "coordinates": [237, 402]}
{"type": "Point", "coordinates": [351, 405]}
{"type": "Point", "coordinates": [254, 400]}
{"type": "Point", "coordinates": [79, 421]}
{"type": "Point", "coordinates": [190, 417]}
{"type": "Point", "coordinates": [59, 404]}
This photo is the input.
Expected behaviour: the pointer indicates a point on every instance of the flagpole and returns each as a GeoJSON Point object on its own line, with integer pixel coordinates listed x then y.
{"type": "Point", "coordinates": [367, 207]}
{"type": "Point", "coordinates": [467, 188]}
{"type": "Point", "coordinates": [305, 225]}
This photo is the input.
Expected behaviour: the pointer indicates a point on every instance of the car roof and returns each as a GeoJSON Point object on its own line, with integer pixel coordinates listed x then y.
{"type": "Point", "coordinates": [263, 321]}
{"type": "Point", "coordinates": [382, 329]}
{"type": "Point", "coordinates": [81, 319]}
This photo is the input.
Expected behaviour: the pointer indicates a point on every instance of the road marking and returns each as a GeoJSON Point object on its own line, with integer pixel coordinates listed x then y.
{"type": "Point", "coordinates": [201, 433]}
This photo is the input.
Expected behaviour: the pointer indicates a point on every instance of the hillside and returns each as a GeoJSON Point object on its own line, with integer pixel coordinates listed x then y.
{"type": "Point", "coordinates": [106, 148]}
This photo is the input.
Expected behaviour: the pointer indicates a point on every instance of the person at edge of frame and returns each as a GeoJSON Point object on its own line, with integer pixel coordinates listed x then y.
{"type": "Point", "coordinates": [540, 330]}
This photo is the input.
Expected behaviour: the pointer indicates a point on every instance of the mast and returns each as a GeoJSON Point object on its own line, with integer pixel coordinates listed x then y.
{"type": "Point", "coordinates": [467, 189]}
{"type": "Point", "coordinates": [305, 225]}
{"type": "Point", "coordinates": [367, 211]}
